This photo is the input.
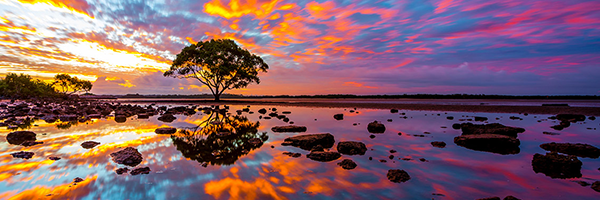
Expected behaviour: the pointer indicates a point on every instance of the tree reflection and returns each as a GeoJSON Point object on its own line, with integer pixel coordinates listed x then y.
{"type": "Point", "coordinates": [221, 139]}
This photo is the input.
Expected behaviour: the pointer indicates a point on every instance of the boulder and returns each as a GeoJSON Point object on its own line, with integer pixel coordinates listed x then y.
{"type": "Point", "coordinates": [338, 116]}
{"type": "Point", "coordinates": [499, 144]}
{"type": "Point", "coordinates": [495, 128]}
{"type": "Point", "coordinates": [347, 164]}
{"type": "Point", "coordinates": [438, 144]}
{"type": "Point", "coordinates": [290, 128]}
{"type": "Point", "coordinates": [165, 130]}
{"type": "Point", "coordinates": [141, 170]}
{"type": "Point", "coordinates": [120, 118]}
{"type": "Point", "coordinates": [122, 170]}
{"type": "Point", "coordinates": [22, 154]}
{"type": "Point", "coordinates": [352, 148]}
{"type": "Point", "coordinates": [89, 144]}
{"type": "Point", "coordinates": [168, 118]}
{"type": "Point", "coordinates": [323, 156]}
{"type": "Point", "coordinates": [31, 143]}
{"type": "Point", "coordinates": [481, 119]}
{"type": "Point", "coordinates": [397, 175]}
{"type": "Point", "coordinates": [511, 198]}
{"type": "Point", "coordinates": [18, 137]}
{"type": "Point", "coordinates": [596, 186]}
{"type": "Point", "coordinates": [570, 117]}
{"type": "Point", "coordinates": [578, 149]}
{"type": "Point", "coordinates": [128, 156]}
{"type": "Point", "coordinates": [262, 111]}
{"type": "Point", "coordinates": [555, 165]}
{"type": "Point", "coordinates": [393, 110]}
{"type": "Point", "coordinates": [376, 127]}
{"type": "Point", "coordinates": [291, 154]}
{"type": "Point", "coordinates": [307, 142]}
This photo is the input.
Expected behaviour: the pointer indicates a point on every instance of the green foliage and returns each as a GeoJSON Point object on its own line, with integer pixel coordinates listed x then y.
{"type": "Point", "coordinates": [219, 64]}
{"type": "Point", "coordinates": [23, 86]}
{"type": "Point", "coordinates": [66, 84]}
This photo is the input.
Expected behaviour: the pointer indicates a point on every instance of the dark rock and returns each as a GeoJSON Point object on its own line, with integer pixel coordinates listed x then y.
{"type": "Point", "coordinates": [352, 148]}
{"type": "Point", "coordinates": [481, 119]}
{"type": "Point", "coordinates": [262, 111]}
{"type": "Point", "coordinates": [89, 144]}
{"type": "Point", "coordinates": [266, 117]}
{"type": "Point", "coordinates": [347, 164]}
{"type": "Point", "coordinates": [511, 198]}
{"type": "Point", "coordinates": [570, 117]}
{"type": "Point", "coordinates": [372, 136]}
{"type": "Point", "coordinates": [77, 180]}
{"type": "Point", "coordinates": [291, 154]}
{"type": "Point", "coordinates": [166, 130]}
{"type": "Point", "coordinates": [324, 156]}
{"type": "Point", "coordinates": [338, 116]}
{"type": "Point", "coordinates": [592, 118]}
{"type": "Point", "coordinates": [555, 165]}
{"type": "Point", "coordinates": [500, 144]}
{"type": "Point", "coordinates": [122, 170]}
{"type": "Point", "coordinates": [397, 175]}
{"type": "Point", "coordinates": [450, 118]}
{"type": "Point", "coordinates": [515, 118]}
{"type": "Point", "coordinates": [596, 186]}
{"type": "Point", "coordinates": [31, 143]}
{"type": "Point", "coordinates": [286, 112]}
{"type": "Point", "coordinates": [376, 127]}
{"type": "Point", "coordinates": [54, 158]}
{"type": "Point", "coordinates": [317, 148]}
{"type": "Point", "coordinates": [495, 128]}
{"type": "Point", "coordinates": [128, 156]}
{"type": "Point", "coordinates": [22, 154]}
{"type": "Point", "coordinates": [168, 118]}
{"type": "Point", "coordinates": [393, 151]}
{"type": "Point", "coordinates": [423, 160]}
{"type": "Point", "coordinates": [18, 137]}
{"type": "Point", "coordinates": [438, 144]}
{"type": "Point", "coordinates": [383, 161]}
{"type": "Point", "coordinates": [550, 133]}
{"type": "Point", "coordinates": [391, 157]}
{"type": "Point", "coordinates": [490, 198]}
{"type": "Point", "coordinates": [456, 126]}
{"type": "Point", "coordinates": [141, 170]}
{"type": "Point", "coordinates": [308, 141]}
{"type": "Point", "coordinates": [120, 118]}
{"type": "Point", "coordinates": [578, 149]}
{"type": "Point", "coordinates": [394, 110]}
{"type": "Point", "coordinates": [290, 128]}
{"type": "Point", "coordinates": [583, 183]}
{"type": "Point", "coordinates": [143, 116]}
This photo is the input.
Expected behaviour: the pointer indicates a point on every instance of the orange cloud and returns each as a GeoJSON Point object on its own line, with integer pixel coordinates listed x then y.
{"type": "Point", "coordinates": [79, 6]}
{"type": "Point", "coordinates": [236, 8]}
{"type": "Point", "coordinates": [355, 84]}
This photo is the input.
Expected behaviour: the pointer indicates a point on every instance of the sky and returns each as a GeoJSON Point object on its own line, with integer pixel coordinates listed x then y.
{"type": "Point", "coordinates": [515, 47]}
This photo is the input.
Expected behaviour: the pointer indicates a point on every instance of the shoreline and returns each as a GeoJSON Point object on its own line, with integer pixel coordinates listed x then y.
{"type": "Point", "coordinates": [551, 110]}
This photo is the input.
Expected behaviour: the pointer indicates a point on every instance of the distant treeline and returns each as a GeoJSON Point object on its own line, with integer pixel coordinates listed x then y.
{"type": "Point", "coordinates": [403, 96]}
{"type": "Point", "coordinates": [22, 86]}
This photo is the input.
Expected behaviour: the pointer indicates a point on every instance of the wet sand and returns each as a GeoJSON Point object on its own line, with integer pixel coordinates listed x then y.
{"type": "Point", "coordinates": [552, 110]}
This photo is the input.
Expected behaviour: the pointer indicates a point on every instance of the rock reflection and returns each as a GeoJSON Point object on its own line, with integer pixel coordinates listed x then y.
{"type": "Point", "coordinates": [221, 139]}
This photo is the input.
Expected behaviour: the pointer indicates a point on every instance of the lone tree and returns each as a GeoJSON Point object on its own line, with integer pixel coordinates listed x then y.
{"type": "Point", "coordinates": [219, 64]}
{"type": "Point", "coordinates": [66, 84]}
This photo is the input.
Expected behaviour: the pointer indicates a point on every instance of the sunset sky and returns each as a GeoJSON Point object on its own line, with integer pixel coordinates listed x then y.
{"type": "Point", "coordinates": [315, 47]}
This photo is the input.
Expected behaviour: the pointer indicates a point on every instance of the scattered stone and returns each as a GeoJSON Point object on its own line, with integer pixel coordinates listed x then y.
{"type": "Point", "coordinates": [383, 161]}
{"type": "Point", "coordinates": [394, 110]}
{"type": "Point", "coordinates": [500, 144]}
{"type": "Point", "coordinates": [550, 133]}
{"type": "Point", "coordinates": [323, 156]}
{"type": "Point", "coordinates": [555, 165]}
{"type": "Point", "coordinates": [22, 154]}
{"type": "Point", "coordinates": [89, 144]}
{"type": "Point", "coordinates": [307, 142]}
{"type": "Point", "coordinates": [291, 154]}
{"type": "Point", "coordinates": [397, 175]}
{"type": "Point", "coordinates": [120, 118]}
{"type": "Point", "coordinates": [592, 118]}
{"type": "Point", "coordinates": [18, 137]}
{"type": "Point", "coordinates": [290, 128]}
{"type": "Point", "coordinates": [570, 117]}
{"type": "Point", "coordinates": [438, 144]}
{"type": "Point", "coordinates": [54, 158]}
{"type": "Point", "coordinates": [338, 116]}
{"type": "Point", "coordinates": [286, 112]}
{"type": "Point", "coordinates": [596, 186]}
{"type": "Point", "coordinates": [347, 164]}
{"type": "Point", "coordinates": [376, 127]}
{"type": "Point", "coordinates": [393, 151]}
{"type": "Point", "coordinates": [31, 143]}
{"type": "Point", "coordinates": [481, 119]}
{"type": "Point", "coordinates": [122, 170]}
{"type": "Point", "coordinates": [77, 180]}
{"type": "Point", "coordinates": [578, 149]}
{"type": "Point", "coordinates": [372, 136]}
{"type": "Point", "coordinates": [583, 183]}
{"type": "Point", "coordinates": [262, 111]}
{"type": "Point", "coordinates": [450, 118]}
{"type": "Point", "coordinates": [391, 157]}
{"type": "Point", "coordinates": [165, 130]}
{"type": "Point", "coordinates": [515, 118]}
{"type": "Point", "coordinates": [168, 118]}
{"type": "Point", "coordinates": [352, 148]}
{"type": "Point", "coordinates": [423, 160]}
{"type": "Point", "coordinates": [141, 170]}
{"type": "Point", "coordinates": [490, 198]}
{"type": "Point", "coordinates": [438, 194]}
{"type": "Point", "coordinates": [495, 128]}
{"type": "Point", "coordinates": [456, 126]}
{"type": "Point", "coordinates": [128, 156]}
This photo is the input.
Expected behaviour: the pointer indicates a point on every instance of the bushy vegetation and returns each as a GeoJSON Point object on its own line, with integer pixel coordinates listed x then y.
{"type": "Point", "coordinates": [21, 86]}
{"type": "Point", "coordinates": [66, 84]}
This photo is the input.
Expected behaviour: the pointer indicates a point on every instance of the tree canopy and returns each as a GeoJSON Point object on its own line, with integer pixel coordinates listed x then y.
{"type": "Point", "coordinates": [219, 64]}
{"type": "Point", "coordinates": [66, 84]}
{"type": "Point", "coordinates": [23, 86]}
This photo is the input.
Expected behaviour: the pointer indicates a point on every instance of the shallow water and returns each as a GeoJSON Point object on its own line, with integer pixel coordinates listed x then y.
{"type": "Point", "coordinates": [177, 170]}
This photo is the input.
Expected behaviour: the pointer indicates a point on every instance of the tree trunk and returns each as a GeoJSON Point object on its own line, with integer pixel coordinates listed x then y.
{"type": "Point", "coordinates": [217, 97]}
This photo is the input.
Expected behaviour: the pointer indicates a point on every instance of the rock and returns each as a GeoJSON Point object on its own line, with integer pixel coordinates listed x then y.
{"type": "Point", "coordinates": [481, 119]}
{"type": "Point", "coordinates": [371, 136]}
{"type": "Point", "coordinates": [317, 148]}
{"type": "Point", "coordinates": [165, 130]}
{"type": "Point", "coordinates": [450, 118]}
{"type": "Point", "coordinates": [286, 112]}
{"type": "Point", "coordinates": [143, 116]}
{"type": "Point", "coordinates": [77, 180]}
{"type": "Point", "coordinates": [22, 154]}
{"type": "Point", "coordinates": [515, 118]}
{"type": "Point", "coordinates": [376, 127]}
{"type": "Point", "coordinates": [95, 116]}
{"type": "Point", "coordinates": [438, 144]}
{"type": "Point", "coordinates": [122, 170]}
{"type": "Point", "coordinates": [31, 143]}
{"type": "Point", "coordinates": [290, 128]}
{"type": "Point", "coordinates": [352, 148]}
{"type": "Point", "coordinates": [583, 183]}
{"type": "Point", "coordinates": [347, 164]}
{"type": "Point", "coordinates": [291, 154]}
{"type": "Point", "coordinates": [500, 144]}
{"type": "Point", "coordinates": [262, 111]}
{"type": "Point", "coordinates": [596, 186]}
{"type": "Point", "coordinates": [141, 170]}
{"type": "Point", "coordinates": [128, 156]}
{"type": "Point", "coordinates": [168, 118]}
{"type": "Point", "coordinates": [511, 198]}
{"type": "Point", "coordinates": [456, 126]}
{"type": "Point", "coordinates": [397, 175]}
{"type": "Point", "coordinates": [54, 158]}
{"type": "Point", "coordinates": [120, 118]}
{"type": "Point", "coordinates": [18, 137]}
{"type": "Point", "coordinates": [393, 110]}
{"type": "Point", "coordinates": [324, 156]}
{"type": "Point", "coordinates": [578, 149]}
{"type": "Point", "coordinates": [490, 198]}
{"type": "Point", "coordinates": [495, 128]}
{"type": "Point", "coordinates": [89, 144]}
{"type": "Point", "coordinates": [592, 118]}
{"type": "Point", "coordinates": [570, 117]}
{"type": "Point", "coordinates": [338, 116]}
{"type": "Point", "coordinates": [555, 165]}
{"type": "Point", "coordinates": [308, 141]}
{"type": "Point", "coordinates": [550, 133]}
